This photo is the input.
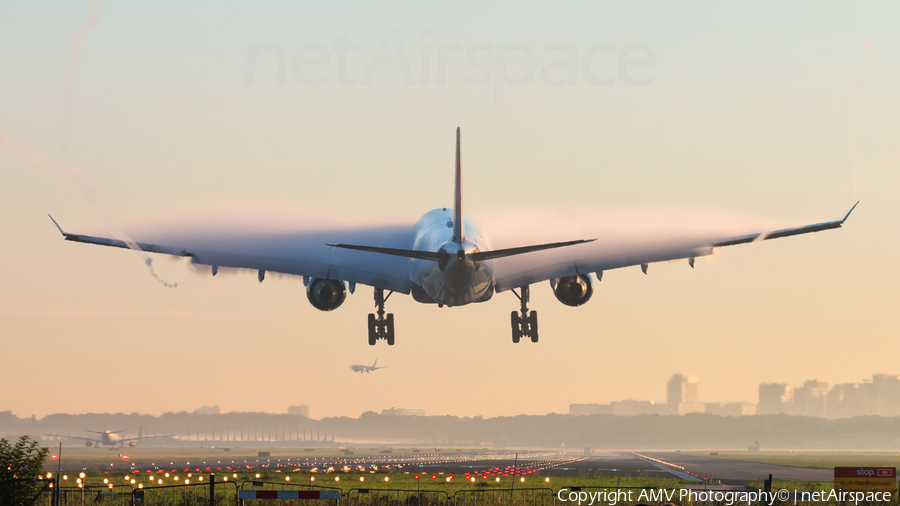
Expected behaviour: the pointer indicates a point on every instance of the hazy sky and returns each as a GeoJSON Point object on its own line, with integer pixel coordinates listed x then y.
{"type": "Point", "coordinates": [738, 109]}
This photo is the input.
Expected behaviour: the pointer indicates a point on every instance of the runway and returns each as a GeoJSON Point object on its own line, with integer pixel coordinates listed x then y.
{"type": "Point", "coordinates": [623, 464]}
{"type": "Point", "coordinates": [738, 472]}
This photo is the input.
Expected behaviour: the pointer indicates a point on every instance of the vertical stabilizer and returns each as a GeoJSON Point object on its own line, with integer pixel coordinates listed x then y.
{"type": "Point", "coordinates": [459, 232]}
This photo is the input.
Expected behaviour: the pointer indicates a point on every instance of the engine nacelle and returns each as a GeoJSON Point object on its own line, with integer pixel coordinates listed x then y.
{"type": "Point", "coordinates": [573, 290]}
{"type": "Point", "coordinates": [88, 444]}
{"type": "Point", "coordinates": [132, 443]}
{"type": "Point", "coordinates": [326, 294]}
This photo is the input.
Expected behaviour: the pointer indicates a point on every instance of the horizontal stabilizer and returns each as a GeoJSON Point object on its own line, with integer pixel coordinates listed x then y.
{"type": "Point", "coordinates": [477, 256]}
{"type": "Point", "coordinates": [408, 253]}
{"type": "Point", "coordinates": [499, 253]}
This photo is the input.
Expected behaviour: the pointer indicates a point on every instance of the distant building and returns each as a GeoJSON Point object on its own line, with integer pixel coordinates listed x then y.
{"type": "Point", "coordinates": [634, 408]}
{"type": "Point", "coordinates": [590, 409]}
{"type": "Point", "coordinates": [885, 394]}
{"type": "Point", "coordinates": [691, 391]}
{"type": "Point", "coordinates": [714, 408]}
{"type": "Point", "coordinates": [403, 412]}
{"type": "Point", "coordinates": [774, 398]}
{"type": "Point", "coordinates": [811, 398]}
{"type": "Point", "coordinates": [838, 401]}
{"type": "Point", "coordinates": [675, 390]}
{"type": "Point", "coordinates": [682, 395]}
{"type": "Point", "coordinates": [729, 408]}
{"type": "Point", "coordinates": [745, 408]}
{"type": "Point", "coordinates": [877, 396]}
{"type": "Point", "coordinates": [299, 410]}
{"type": "Point", "coordinates": [691, 407]}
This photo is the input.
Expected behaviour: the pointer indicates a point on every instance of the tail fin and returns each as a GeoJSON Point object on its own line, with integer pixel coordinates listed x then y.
{"type": "Point", "coordinates": [459, 232]}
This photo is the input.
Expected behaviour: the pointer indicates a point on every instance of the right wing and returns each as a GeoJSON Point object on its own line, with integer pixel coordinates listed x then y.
{"type": "Point", "coordinates": [292, 252]}
{"type": "Point", "coordinates": [625, 246]}
{"type": "Point", "coordinates": [142, 438]}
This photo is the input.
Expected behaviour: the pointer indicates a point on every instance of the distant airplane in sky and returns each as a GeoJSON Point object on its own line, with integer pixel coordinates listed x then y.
{"type": "Point", "coordinates": [366, 368]}
{"type": "Point", "coordinates": [108, 438]}
{"type": "Point", "coordinates": [442, 259]}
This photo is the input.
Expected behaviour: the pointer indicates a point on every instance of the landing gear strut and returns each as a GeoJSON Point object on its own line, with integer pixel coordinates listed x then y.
{"type": "Point", "coordinates": [524, 325]}
{"type": "Point", "coordinates": [381, 327]}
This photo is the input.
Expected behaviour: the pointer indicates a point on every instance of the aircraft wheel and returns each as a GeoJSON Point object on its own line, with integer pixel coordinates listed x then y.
{"type": "Point", "coordinates": [514, 320]}
{"type": "Point", "coordinates": [389, 324]}
{"type": "Point", "coordinates": [373, 330]}
{"type": "Point", "coordinates": [532, 320]}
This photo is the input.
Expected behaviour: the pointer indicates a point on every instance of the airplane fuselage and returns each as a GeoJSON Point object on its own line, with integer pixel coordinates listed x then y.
{"type": "Point", "coordinates": [458, 281]}
{"type": "Point", "coordinates": [109, 438]}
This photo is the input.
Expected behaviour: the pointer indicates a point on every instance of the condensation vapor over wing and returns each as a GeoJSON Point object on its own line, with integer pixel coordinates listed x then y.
{"type": "Point", "coordinates": [620, 235]}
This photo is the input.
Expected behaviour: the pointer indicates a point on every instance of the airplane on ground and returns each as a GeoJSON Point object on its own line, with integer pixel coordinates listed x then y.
{"type": "Point", "coordinates": [442, 259]}
{"type": "Point", "coordinates": [108, 438]}
{"type": "Point", "coordinates": [367, 368]}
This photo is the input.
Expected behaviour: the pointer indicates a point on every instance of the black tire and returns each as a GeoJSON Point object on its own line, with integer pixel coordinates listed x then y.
{"type": "Point", "coordinates": [389, 324]}
{"type": "Point", "coordinates": [514, 321]}
{"type": "Point", "coordinates": [532, 319]}
{"type": "Point", "coordinates": [373, 326]}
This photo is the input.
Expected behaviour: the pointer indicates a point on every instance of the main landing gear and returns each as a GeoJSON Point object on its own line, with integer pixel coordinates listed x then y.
{"type": "Point", "coordinates": [524, 325]}
{"type": "Point", "coordinates": [381, 327]}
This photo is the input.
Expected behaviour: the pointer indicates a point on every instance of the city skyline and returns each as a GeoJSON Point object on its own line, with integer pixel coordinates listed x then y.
{"type": "Point", "coordinates": [878, 395]}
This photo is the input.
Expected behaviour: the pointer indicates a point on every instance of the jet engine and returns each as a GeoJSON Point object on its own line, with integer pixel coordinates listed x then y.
{"type": "Point", "coordinates": [326, 294]}
{"type": "Point", "coordinates": [573, 290]}
{"type": "Point", "coordinates": [132, 443]}
{"type": "Point", "coordinates": [88, 444]}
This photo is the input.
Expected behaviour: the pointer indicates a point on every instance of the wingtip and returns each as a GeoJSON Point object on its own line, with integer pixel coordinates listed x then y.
{"type": "Point", "coordinates": [57, 225]}
{"type": "Point", "coordinates": [850, 211]}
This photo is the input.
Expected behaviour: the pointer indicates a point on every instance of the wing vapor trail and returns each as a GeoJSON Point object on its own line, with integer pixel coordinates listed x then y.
{"type": "Point", "coordinates": [617, 232]}
{"type": "Point", "coordinates": [64, 171]}
{"type": "Point", "coordinates": [73, 176]}
{"type": "Point", "coordinates": [866, 46]}
{"type": "Point", "coordinates": [91, 21]}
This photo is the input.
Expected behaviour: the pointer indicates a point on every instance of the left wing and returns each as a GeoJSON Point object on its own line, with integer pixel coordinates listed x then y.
{"type": "Point", "coordinates": [610, 253]}
{"type": "Point", "coordinates": [284, 251]}
{"type": "Point", "coordinates": [141, 438]}
{"type": "Point", "coordinates": [75, 437]}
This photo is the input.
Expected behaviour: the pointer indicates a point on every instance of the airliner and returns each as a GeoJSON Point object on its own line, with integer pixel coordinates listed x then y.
{"type": "Point", "coordinates": [108, 438]}
{"type": "Point", "coordinates": [442, 259]}
{"type": "Point", "coordinates": [367, 368]}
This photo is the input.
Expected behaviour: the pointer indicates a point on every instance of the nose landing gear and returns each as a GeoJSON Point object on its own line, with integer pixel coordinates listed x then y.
{"type": "Point", "coordinates": [381, 327]}
{"type": "Point", "coordinates": [524, 325]}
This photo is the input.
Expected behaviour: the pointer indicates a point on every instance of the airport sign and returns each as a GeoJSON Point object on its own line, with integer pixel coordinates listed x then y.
{"type": "Point", "coordinates": [865, 479]}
